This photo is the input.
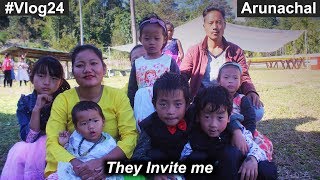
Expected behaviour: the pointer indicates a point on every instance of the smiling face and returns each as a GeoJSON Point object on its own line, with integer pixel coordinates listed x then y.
{"type": "Point", "coordinates": [88, 69]}
{"type": "Point", "coordinates": [90, 124]}
{"type": "Point", "coordinates": [213, 123]}
{"type": "Point", "coordinates": [214, 25]}
{"type": "Point", "coordinates": [170, 106]}
{"type": "Point", "coordinates": [153, 40]}
{"type": "Point", "coordinates": [46, 84]}
{"type": "Point", "coordinates": [230, 78]}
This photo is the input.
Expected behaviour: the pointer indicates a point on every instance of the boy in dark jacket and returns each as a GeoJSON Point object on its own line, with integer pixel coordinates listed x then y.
{"type": "Point", "coordinates": [165, 132]}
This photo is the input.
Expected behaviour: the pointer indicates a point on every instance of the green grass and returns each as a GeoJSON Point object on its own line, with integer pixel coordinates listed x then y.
{"type": "Point", "coordinates": [291, 120]}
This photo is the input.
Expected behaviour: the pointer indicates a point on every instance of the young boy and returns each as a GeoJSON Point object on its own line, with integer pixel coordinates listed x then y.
{"type": "Point", "coordinates": [165, 132]}
{"type": "Point", "coordinates": [88, 141]}
{"type": "Point", "coordinates": [229, 78]}
{"type": "Point", "coordinates": [209, 140]}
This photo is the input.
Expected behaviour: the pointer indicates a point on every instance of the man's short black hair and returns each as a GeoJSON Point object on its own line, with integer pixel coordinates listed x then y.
{"type": "Point", "coordinates": [213, 8]}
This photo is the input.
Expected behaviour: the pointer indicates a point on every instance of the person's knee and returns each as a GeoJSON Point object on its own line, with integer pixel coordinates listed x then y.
{"type": "Point", "coordinates": [156, 154]}
{"type": "Point", "coordinates": [231, 153]}
{"type": "Point", "coordinates": [259, 113]}
{"type": "Point", "coordinates": [267, 170]}
{"type": "Point", "coordinates": [198, 156]}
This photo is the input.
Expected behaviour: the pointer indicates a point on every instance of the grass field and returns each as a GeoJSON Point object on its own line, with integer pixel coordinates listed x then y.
{"type": "Point", "coordinates": [291, 120]}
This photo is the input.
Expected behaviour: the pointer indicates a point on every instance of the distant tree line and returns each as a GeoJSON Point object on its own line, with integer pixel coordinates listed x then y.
{"type": "Point", "coordinates": [107, 23]}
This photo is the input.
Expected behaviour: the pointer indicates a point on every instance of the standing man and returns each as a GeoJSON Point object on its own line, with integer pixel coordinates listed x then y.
{"type": "Point", "coordinates": [202, 61]}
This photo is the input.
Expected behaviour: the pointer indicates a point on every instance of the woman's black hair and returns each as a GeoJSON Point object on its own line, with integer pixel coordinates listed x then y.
{"type": "Point", "coordinates": [170, 81]}
{"type": "Point", "coordinates": [216, 96]}
{"type": "Point", "coordinates": [81, 48]}
{"type": "Point", "coordinates": [84, 106]}
{"type": "Point", "coordinates": [210, 8]}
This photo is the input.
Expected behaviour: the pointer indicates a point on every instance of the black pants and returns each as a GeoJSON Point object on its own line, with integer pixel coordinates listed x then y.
{"type": "Point", "coordinates": [267, 170]}
{"type": "Point", "coordinates": [7, 78]}
{"type": "Point", "coordinates": [228, 161]}
{"type": "Point", "coordinates": [25, 82]}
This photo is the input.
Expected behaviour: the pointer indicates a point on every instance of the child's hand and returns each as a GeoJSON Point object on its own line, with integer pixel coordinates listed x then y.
{"type": "Point", "coordinates": [42, 100]}
{"type": "Point", "coordinates": [63, 137]}
{"type": "Point", "coordinates": [239, 141]}
{"type": "Point", "coordinates": [249, 168]}
{"type": "Point", "coordinates": [255, 99]}
{"type": "Point", "coordinates": [180, 57]}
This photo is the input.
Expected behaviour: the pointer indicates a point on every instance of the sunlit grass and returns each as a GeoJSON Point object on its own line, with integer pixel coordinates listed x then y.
{"type": "Point", "coordinates": [291, 120]}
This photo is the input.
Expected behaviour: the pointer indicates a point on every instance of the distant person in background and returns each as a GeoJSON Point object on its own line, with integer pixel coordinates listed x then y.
{"type": "Point", "coordinates": [202, 61]}
{"type": "Point", "coordinates": [13, 75]}
{"type": "Point", "coordinates": [173, 46]}
{"type": "Point", "coordinates": [23, 70]}
{"type": "Point", "coordinates": [7, 66]}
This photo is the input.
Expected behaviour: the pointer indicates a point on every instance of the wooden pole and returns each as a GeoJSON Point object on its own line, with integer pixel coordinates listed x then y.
{"type": "Point", "coordinates": [81, 26]}
{"type": "Point", "coordinates": [133, 23]}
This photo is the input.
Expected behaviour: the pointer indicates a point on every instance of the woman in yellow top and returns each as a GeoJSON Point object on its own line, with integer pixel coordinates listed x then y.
{"type": "Point", "coordinates": [88, 70]}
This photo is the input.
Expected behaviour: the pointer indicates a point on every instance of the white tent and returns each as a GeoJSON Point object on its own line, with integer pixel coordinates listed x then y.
{"type": "Point", "coordinates": [248, 38]}
{"type": "Point", "coordinates": [126, 47]}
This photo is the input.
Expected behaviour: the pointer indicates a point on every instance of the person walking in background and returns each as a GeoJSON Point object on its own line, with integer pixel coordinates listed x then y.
{"type": "Point", "coordinates": [7, 66]}
{"type": "Point", "coordinates": [13, 74]}
{"type": "Point", "coordinates": [173, 47]}
{"type": "Point", "coordinates": [22, 70]}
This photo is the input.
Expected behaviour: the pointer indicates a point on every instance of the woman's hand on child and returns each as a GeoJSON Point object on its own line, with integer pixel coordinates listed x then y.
{"type": "Point", "coordinates": [89, 169]}
{"type": "Point", "coordinates": [255, 99]}
{"type": "Point", "coordinates": [42, 100]}
{"type": "Point", "coordinates": [63, 137]}
{"type": "Point", "coordinates": [249, 169]}
{"type": "Point", "coordinates": [75, 163]}
{"type": "Point", "coordinates": [239, 141]}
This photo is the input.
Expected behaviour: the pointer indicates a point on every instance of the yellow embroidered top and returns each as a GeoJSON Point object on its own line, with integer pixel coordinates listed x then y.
{"type": "Point", "coordinates": [120, 123]}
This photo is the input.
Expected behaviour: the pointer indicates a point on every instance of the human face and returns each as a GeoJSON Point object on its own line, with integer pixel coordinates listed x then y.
{"type": "Point", "coordinates": [214, 25]}
{"type": "Point", "coordinates": [213, 123]}
{"type": "Point", "coordinates": [46, 84]}
{"type": "Point", "coordinates": [137, 53]}
{"type": "Point", "coordinates": [170, 106]}
{"type": "Point", "coordinates": [230, 79]}
{"type": "Point", "coordinates": [88, 69]}
{"type": "Point", "coordinates": [170, 31]}
{"type": "Point", "coordinates": [90, 124]}
{"type": "Point", "coordinates": [152, 39]}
